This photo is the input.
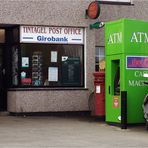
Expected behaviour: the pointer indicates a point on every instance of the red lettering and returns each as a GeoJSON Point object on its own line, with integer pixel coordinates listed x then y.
{"type": "Point", "coordinates": [135, 63]}
{"type": "Point", "coordinates": [138, 62]}
{"type": "Point", "coordinates": [34, 29]}
{"type": "Point", "coordinates": [145, 62]}
{"type": "Point", "coordinates": [74, 31]}
{"type": "Point", "coordinates": [54, 30]}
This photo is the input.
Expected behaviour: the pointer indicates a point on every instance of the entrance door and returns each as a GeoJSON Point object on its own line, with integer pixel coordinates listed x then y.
{"type": "Point", "coordinates": [113, 99]}
{"type": "Point", "coordinates": [3, 90]}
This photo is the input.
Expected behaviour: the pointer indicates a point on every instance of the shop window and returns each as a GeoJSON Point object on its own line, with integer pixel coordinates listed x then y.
{"type": "Point", "coordinates": [44, 65]}
{"type": "Point", "coordinates": [99, 59]}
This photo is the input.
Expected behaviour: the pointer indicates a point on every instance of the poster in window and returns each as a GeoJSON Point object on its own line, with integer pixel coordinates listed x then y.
{"type": "Point", "coordinates": [54, 56]}
{"type": "Point", "coordinates": [53, 74]}
{"type": "Point", "coordinates": [25, 62]}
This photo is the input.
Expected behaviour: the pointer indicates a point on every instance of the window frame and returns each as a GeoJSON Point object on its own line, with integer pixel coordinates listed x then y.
{"type": "Point", "coordinates": [82, 71]}
{"type": "Point", "coordinates": [97, 56]}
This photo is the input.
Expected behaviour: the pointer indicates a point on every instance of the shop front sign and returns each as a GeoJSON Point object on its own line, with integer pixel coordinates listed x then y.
{"type": "Point", "coordinates": [57, 35]}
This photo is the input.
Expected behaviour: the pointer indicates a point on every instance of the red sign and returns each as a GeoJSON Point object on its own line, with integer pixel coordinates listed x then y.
{"type": "Point", "coordinates": [116, 102]}
{"type": "Point", "coordinates": [26, 80]}
{"type": "Point", "coordinates": [93, 10]}
{"type": "Point", "coordinates": [137, 62]}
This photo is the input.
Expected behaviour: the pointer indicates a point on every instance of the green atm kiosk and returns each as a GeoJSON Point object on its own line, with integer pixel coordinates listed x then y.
{"type": "Point", "coordinates": [126, 43]}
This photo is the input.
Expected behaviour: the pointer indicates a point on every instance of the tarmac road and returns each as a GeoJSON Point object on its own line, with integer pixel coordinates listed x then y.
{"type": "Point", "coordinates": [67, 132]}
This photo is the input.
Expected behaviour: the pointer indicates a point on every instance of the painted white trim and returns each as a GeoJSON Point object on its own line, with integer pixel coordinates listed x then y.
{"type": "Point", "coordinates": [85, 56]}
{"type": "Point", "coordinates": [123, 1]}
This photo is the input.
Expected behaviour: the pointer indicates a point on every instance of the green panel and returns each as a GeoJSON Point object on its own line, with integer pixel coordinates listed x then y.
{"type": "Point", "coordinates": [114, 37]}
{"type": "Point", "coordinates": [134, 84]}
{"type": "Point", "coordinates": [136, 36]}
{"type": "Point", "coordinates": [126, 36]}
{"type": "Point", "coordinates": [113, 112]}
{"type": "Point", "coordinates": [132, 45]}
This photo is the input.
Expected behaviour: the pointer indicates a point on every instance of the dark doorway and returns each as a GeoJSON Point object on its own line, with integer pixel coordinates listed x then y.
{"type": "Point", "coordinates": [3, 84]}
{"type": "Point", "coordinates": [8, 37]}
{"type": "Point", "coordinates": [3, 71]}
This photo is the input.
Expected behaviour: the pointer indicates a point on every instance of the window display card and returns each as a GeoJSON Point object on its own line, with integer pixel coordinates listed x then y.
{"type": "Point", "coordinates": [53, 74]}
{"type": "Point", "coordinates": [64, 58]}
{"type": "Point", "coordinates": [54, 56]}
{"type": "Point", "coordinates": [23, 74]}
{"type": "Point", "coordinates": [25, 62]}
{"type": "Point", "coordinates": [26, 81]}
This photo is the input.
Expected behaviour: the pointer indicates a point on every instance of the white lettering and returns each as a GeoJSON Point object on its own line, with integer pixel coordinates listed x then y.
{"type": "Point", "coordinates": [140, 73]}
{"type": "Point", "coordinates": [134, 38]}
{"type": "Point", "coordinates": [139, 37]}
{"type": "Point", "coordinates": [136, 73]}
{"type": "Point", "coordinates": [110, 41]}
{"type": "Point", "coordinates": [145, 38]}
{"type": "Point", "coordinates": [115, 38]}
{"type": "Point", "coordinates": [131, 82]}
{"type": "Point", "coordinates": [119, 37]}
{"type": "Point", "coordinates": [134, 83]}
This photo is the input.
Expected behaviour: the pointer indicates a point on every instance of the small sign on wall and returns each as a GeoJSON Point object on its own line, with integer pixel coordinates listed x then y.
{"type": "Point", "coordinates": [98, 89]}
{"type": "Point", "coordinates": [115, 101]}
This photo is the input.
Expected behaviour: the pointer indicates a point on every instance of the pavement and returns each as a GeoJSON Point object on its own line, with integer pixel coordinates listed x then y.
{"type": "Point", "coordinates": [67, 132]}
